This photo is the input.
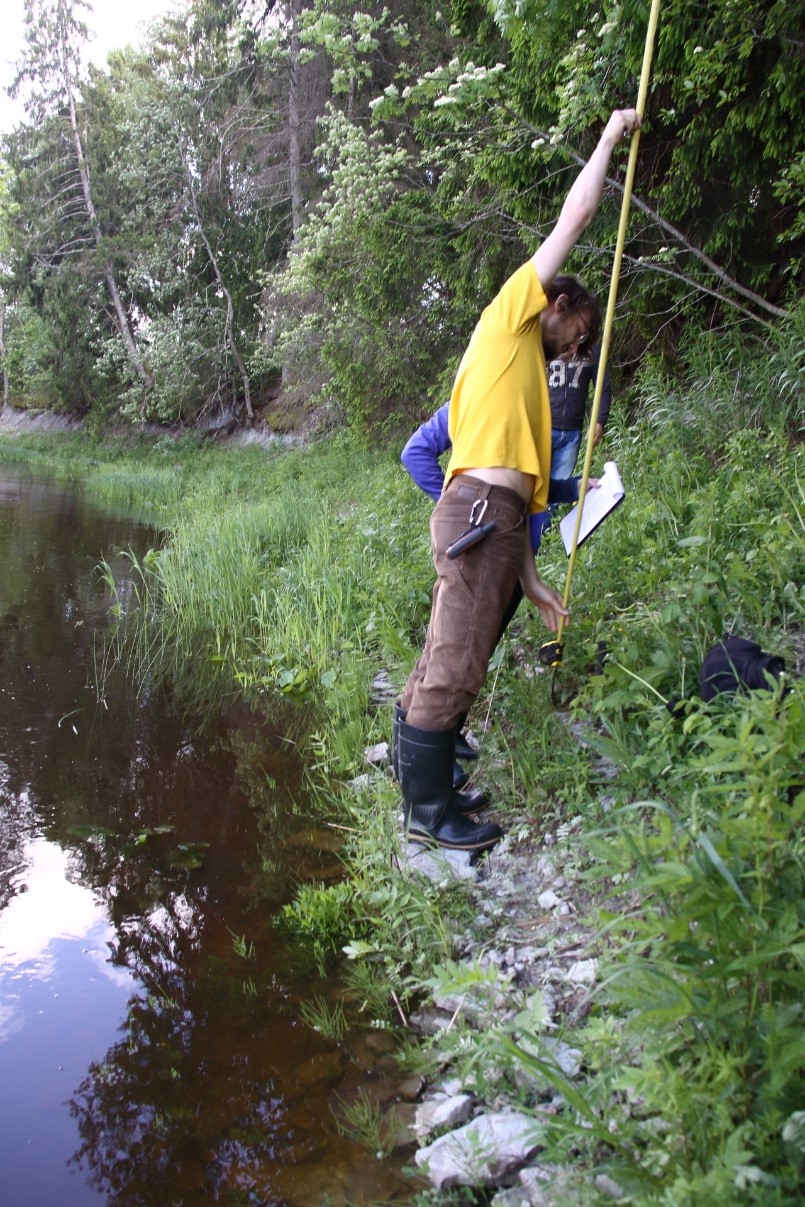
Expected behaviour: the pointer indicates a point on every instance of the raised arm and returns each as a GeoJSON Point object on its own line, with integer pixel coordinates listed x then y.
{"type": "Point", "coordinates": [584, 197]}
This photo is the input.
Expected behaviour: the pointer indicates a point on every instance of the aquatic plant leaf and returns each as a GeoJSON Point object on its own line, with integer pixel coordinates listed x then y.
{"type": "Point", "coordinates": [189, 855]}
{"type": "Point", "coordinates": [88, 830]}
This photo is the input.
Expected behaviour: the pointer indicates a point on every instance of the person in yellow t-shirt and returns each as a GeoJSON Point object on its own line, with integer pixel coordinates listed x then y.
{"type": "Point", "coordinates": [500, 428]}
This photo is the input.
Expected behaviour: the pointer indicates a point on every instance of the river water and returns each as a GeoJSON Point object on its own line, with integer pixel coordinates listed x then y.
{"type": "Point", "coordinates": [151, 1045]}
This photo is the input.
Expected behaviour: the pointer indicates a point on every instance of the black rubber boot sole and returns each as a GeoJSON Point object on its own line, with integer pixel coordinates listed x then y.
{"type": "Point", "coordinates": [480, 843]}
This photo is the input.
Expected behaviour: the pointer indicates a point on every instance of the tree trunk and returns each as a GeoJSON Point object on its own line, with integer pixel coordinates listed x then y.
{"type": "Point", "coordinates": [3, 351]}
{"type": "Point", "coordinates": [230, 306]}
{"type": "Point", "coordinates": [295, 121]}
{"type": "Point", "coordinates": [122, 318]}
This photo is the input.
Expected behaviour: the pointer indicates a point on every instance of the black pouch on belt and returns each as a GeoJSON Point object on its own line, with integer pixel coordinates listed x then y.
{"type": "Point", "coordinates": [469, 538]}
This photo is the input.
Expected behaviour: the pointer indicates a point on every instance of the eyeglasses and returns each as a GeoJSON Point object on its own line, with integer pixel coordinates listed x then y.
{"type": "Point", "coordinates": [582, 339]}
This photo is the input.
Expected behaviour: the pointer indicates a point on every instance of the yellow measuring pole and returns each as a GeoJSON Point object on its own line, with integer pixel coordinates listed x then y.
{"type": "Point", "coordinates": [613, 296]}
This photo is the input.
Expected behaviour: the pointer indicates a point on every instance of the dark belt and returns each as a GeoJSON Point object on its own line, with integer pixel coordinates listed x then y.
{"type": "Point", "coordinates": [464, 486]}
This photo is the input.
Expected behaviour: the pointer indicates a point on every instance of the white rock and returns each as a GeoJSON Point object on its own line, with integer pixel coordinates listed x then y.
{"type": "Point", "coordinates": [429, 1022]}
{"type": "Point", "coordinates": [441, 1111]}
{"type": "Point", "coordinates": [540, 1181]}
{"type": "Point", "coordinates": [549, 1003]}
{"type": "Point", "coordinates": [568, 1059]}
{"type": "Point", "coordinates": [483, 1152]}
{"type": "Point", "coordinates": [515, 1196]}
{"type": "Point", "coordinates": [609, 1187]}
{"type": "Point", "coordinates": [439, 864]}
{"type": "Point", "coordinates": [377, 755]}
{"type": "Point", "coordinates": [548, 899]}
{"type": "Point", "coordinates": [451, 1003]}
{"type": "Point", "coordinates": [582, 972]}
{"type": "Point", "coordinates": [552, 972]}
{"type": "Point", "coordinates": [452, 1086]}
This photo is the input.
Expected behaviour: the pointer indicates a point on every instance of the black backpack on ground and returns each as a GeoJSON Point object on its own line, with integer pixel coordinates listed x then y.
{"type": "Point", "coordinates": [735, 663]}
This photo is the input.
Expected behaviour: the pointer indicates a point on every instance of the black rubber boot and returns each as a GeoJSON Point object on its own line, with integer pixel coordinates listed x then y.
{"type": "Point", "coordinates": [460, 776]}
{"type": "Point", "coordinates": [399, 715]}
{"type": "Point", "coordinates": [463, 802]}
{"type": "Point", "coordinates": [463, 749]}
{"type": "Point", "coordinates": [466, 800]}
{"type": "Point", "coordinates": [425, 762]}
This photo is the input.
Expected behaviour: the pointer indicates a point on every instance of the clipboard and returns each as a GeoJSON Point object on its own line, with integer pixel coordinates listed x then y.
{"type": "Point", "coordinates": [598, 504]}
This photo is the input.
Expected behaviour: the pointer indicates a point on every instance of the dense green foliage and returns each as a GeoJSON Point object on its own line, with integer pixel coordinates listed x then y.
{"type": "Point", "coordinates": [320, 199]}
{"type": "Point", "coordinates": [292, 578]}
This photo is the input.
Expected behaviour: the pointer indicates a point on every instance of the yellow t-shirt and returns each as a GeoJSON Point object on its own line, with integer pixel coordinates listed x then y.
{"type": "Point", "coordinates": [500, 413]}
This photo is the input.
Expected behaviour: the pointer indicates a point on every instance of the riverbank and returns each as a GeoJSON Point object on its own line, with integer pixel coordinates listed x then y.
{"type": "Point", "coordinates": [621, 979]}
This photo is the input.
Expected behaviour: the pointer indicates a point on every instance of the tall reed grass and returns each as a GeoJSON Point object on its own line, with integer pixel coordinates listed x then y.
{"type": "Point", "coordinates": [282, 585]}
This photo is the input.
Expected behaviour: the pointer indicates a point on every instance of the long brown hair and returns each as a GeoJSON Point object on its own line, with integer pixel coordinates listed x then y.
{"type": "Point", "coordinates": [579, 299]}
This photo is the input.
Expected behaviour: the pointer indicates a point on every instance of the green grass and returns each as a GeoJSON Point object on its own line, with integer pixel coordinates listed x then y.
{"type": "Point", "coordinates": [325, 1017]}
{"type": "Point", "coordinates": [361, 1120]}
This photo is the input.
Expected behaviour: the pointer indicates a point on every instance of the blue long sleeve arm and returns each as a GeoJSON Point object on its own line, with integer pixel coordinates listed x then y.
{"type": "Point", "coordinates": [422, 452]}
{"type": "Point", "coordinates": [564, 490]}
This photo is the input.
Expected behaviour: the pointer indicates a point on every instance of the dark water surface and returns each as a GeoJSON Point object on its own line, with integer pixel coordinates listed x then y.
{"type": "Point", "coordinates": [151, 1047]}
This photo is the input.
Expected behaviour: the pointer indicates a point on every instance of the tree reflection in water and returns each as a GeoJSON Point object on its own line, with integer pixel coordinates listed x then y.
{"type": "Point", "coordinates": [169, 1111]}
{"type": "Point", "coordinates": [189, 1103]}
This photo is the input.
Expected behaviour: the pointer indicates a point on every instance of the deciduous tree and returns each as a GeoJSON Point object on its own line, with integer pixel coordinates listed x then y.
{"type": "Point", "coordinates": [52, 65]}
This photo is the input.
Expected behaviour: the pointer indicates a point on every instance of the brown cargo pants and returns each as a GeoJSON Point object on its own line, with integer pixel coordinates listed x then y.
{"type": "Point", "coordinates": [470, 597]}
